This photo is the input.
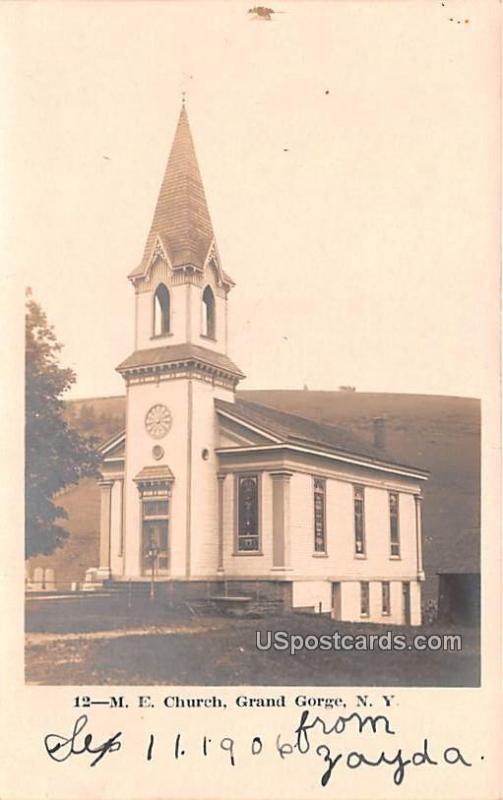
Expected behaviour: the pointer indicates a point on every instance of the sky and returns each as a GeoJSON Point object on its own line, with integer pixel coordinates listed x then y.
{"type": "Point", "coordinates": [349, 153]}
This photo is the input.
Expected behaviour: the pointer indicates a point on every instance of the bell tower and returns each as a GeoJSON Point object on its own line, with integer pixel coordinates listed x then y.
{"type": "Point", "coordinates": [179, 367]}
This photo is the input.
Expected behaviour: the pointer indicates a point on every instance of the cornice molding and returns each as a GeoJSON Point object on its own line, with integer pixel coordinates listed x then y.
{"type": "Point", "coordinates": [326, 454]}
{"type": "Point", "coordinates": [186, 368]}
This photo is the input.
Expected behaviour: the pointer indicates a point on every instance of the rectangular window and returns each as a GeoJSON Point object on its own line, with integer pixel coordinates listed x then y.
{"type": "Point", "coordinates": [385, 595]}
{"type": "Point", "coordinates": [320, 543]}
{"type": "Point", "coordinates": [359, 516]}
{"type": "Point", "coordinates": [248, 533]}
{"type": "Point", "coordinates": [364, 599]}
{"type": "Point", "coordinates": [155, 508]}
{"type": "Point", "coordinates": [394, 526]}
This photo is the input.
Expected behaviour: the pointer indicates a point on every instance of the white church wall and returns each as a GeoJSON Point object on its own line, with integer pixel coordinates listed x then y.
{"type": "Point", "coordinates": [375, 602]}
{"type": "Point", "coordinates": [396, 603]}
{"type": "Point", "coordinates": [141, 397]}
{"type": "Point", "coordinates": [185, 312]}
{"type": "Point", "coordinates": [228, 514]}
{"type": "Point", "coordinates": [340, 559]}
{"type": "Point", "coordinates": [377, 536]}
{"type": "Point", "coordinates": [204, 491]}
{"type": "Point", "coordinates": [309, 594]}
{"type": "Point", "coordinates": [219, 343]}
{"type": "Point", "coordinates": [313, 575]}
{"type": "Point", "coordinates": [145, 317]}
{"type": "Point", "coordinates": [415, 603]}
{"type": "Point", "coordinates": [350, 601]}
{"type": "Point", "coordinates": [351, 610]}
{"type": "Point", "coordinates": [301, 524]}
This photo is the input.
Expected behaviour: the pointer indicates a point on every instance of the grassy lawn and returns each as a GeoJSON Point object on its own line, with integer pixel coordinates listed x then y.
{"type": "Point", "coordinates": [99, 640]}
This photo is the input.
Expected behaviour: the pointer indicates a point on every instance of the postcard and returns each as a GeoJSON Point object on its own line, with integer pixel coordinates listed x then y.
{"type": "Point", "coordinates": [251, 400]}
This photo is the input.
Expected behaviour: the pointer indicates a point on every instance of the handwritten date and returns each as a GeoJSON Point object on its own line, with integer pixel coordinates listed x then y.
{"type": "Point", "coordinates": [59, 748]}
{"type": "Point", "coordinates": [306, 737]}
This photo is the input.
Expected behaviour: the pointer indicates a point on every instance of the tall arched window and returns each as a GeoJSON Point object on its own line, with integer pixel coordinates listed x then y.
{"type": "Point", "coordinates": [208, 310]}
{"type": "Point", "coordinates": [161, 310]}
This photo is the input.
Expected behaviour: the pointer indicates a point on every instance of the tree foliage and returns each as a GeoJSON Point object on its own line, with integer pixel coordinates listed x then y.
{"type": "Point", "coordinates": [57, 456]}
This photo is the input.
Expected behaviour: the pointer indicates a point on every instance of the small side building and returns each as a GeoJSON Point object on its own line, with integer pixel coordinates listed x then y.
{"type": "Point", "coordinates": [459, 598]}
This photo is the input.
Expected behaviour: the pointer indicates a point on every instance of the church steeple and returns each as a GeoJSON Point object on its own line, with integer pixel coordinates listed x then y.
{"type": "Point", "coordinates": [181, 223]}
{"type": "Point", "coordinates": [181, 289]}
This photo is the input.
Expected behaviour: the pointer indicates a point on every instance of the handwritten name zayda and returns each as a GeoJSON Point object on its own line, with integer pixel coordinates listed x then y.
{"type": "Point", "coordinates": [315, 735]}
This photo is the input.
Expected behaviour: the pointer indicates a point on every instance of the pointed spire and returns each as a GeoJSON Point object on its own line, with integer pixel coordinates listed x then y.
{"type": "Point", "coordinates": [181, 218]}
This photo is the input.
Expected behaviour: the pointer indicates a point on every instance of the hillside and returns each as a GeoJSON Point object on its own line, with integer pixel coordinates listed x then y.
{"type": "Point", "coordinates": [441, 434]}
{"type": "Point", "coordinates": [97, 416]}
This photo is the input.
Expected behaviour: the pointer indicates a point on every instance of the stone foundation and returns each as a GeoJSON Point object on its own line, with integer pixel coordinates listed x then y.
{"type": "Point", "coordinates": [269, 597]}
{"type": "Point", "coordinates": [265, 597]}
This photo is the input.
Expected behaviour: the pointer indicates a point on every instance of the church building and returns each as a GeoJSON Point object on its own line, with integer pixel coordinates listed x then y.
{"type": "Point", "coordinates": [206, 493]}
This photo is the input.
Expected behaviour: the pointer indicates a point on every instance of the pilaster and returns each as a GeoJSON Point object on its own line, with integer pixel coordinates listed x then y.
{"type": "Point", "coordinates": [104, 570]}
{"type": "Point", "coordinates": [221, 485]}
{"type": "Point", "coordinates": [418, 498]}
{"type": "Point", "coordinates": [281, 520]}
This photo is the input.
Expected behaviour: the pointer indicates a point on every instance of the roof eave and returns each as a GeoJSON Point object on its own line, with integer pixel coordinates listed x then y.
{"type": "Point", "coordinates": [112, 441]}
{"type": "Point", "coordinates": [353, 458]}
{"type": "Point", "coordinates": [189, 361]}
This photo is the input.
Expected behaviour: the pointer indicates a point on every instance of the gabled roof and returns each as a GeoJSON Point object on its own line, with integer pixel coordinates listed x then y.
{"type": "Point", "coordinates": [181, 217]}
{"type": "Point", "coordinates": [179, 353]}
{"type": "Point", "coordinates": [293, 430]}
{"type": "Point", "coordinates": [112, 442]}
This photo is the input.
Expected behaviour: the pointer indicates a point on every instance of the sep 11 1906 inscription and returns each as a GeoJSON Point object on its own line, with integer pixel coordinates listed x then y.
{"type": "Point", "coordinates": [317, 733]}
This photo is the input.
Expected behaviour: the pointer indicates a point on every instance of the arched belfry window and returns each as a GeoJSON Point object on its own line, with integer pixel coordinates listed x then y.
{"type": "Point", "coordinates": [208, 312]}
{"type": "Point", "coordinates": [161, 310]}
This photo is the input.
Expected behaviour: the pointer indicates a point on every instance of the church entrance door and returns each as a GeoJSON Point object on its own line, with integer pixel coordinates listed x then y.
{"type": "Point", "coordinates": [155, 544]}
